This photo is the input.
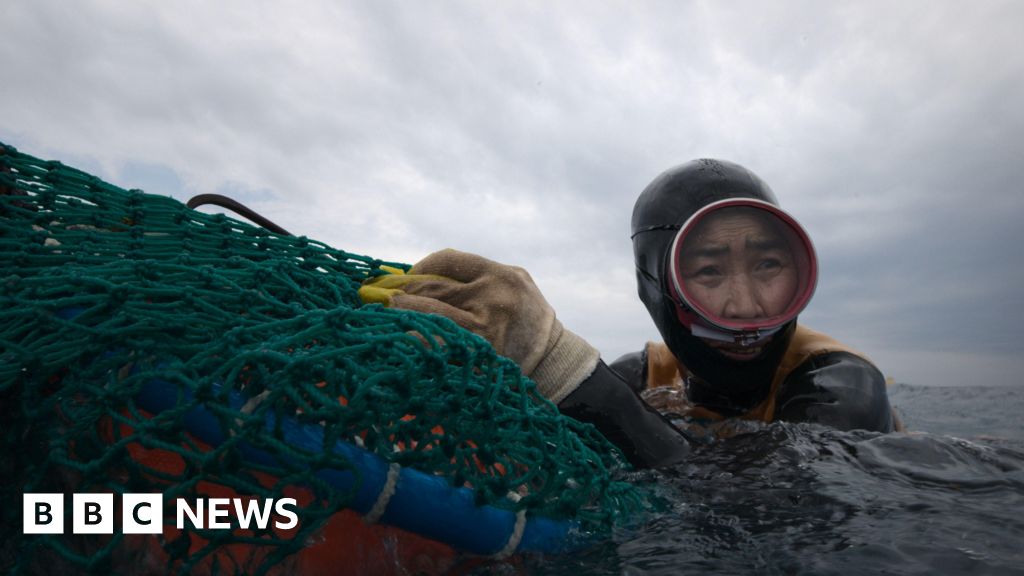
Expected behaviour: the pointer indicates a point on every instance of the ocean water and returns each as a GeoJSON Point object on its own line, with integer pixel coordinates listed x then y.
{"type": "Point", "coordinates": [947, 498]}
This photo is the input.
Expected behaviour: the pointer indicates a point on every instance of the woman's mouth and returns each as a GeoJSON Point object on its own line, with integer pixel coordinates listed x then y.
{"type": "Point", "coordinates": [737, 352]}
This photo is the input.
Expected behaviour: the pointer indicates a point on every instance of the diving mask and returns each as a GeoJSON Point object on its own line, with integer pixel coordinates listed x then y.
{"type": "Point", "coordinates": [740, 269]}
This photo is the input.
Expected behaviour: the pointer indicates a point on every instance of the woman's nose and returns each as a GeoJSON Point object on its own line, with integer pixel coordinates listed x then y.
{"type": "Point", "coordinates": [741, 300]}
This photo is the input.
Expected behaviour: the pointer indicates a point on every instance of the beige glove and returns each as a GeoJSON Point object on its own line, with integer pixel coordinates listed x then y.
{"type": "Point", "coordinates": [503, 305]}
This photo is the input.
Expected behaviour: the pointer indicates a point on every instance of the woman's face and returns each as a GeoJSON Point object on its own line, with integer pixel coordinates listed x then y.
{"type": "Point", "coordinates": [738, 264]}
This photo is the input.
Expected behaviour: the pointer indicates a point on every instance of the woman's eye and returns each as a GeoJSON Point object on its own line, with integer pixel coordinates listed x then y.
{"type": "Point", "coordinates": [769, 265]}
{"type": "Point", "coordinates": [708, 272]}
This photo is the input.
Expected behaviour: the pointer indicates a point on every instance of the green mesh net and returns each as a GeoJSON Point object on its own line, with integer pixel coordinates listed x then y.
{"type": "Point", "coordinates": [103, 290]}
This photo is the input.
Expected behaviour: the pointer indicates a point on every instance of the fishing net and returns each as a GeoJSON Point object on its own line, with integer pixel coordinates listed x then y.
{"type": "Point", "coordinates": [103, 290]}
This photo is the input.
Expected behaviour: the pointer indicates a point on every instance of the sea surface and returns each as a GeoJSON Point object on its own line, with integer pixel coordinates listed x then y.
{"type": "Point", "coordinates": [946, 498]}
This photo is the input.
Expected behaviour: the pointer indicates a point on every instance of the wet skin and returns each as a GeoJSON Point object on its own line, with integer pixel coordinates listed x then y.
{"type": "Point", "coordinates": [737, 265]}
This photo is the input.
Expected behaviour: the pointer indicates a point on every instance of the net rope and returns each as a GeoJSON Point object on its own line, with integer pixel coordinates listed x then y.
{"type": "Point", "coordinates": [104, 289]}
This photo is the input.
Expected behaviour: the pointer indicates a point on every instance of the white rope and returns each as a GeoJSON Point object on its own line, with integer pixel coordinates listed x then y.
{"type": "Point", "coordinates": [252, 403]}
{"type": "Point", "coordinates": [248, 408]}
{"type": "Point", "coordinates": [381, 505]}
{"type": "Point", "coordinates": [517, 535]}
{"type": "Point", "coordinates": [517, 531]}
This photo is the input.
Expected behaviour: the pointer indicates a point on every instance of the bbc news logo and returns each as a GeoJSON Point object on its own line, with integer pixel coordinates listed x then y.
{"type": "Point", "coordinates": [144, 513]}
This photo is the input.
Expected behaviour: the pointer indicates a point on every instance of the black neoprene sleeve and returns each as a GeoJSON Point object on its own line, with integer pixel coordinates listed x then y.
{"type": "Point", "coordinates": [643, 435]}
{"type": "Point", "coordinates": [838, 389]}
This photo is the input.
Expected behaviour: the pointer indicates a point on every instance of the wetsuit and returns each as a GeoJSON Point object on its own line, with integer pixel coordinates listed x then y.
{"type": "Point", "coordinates": [818, 380]}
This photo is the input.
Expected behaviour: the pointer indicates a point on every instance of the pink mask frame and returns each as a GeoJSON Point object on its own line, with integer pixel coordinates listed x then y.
{"type": "Point", "coordinates": [747, 331]}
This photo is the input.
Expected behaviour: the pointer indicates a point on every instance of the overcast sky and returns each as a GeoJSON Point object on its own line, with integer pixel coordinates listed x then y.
{"type": "Point", "coordinates": [894, 131]}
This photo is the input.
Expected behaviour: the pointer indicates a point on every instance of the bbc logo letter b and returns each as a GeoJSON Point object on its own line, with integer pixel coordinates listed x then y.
{"type": "Point", "coordinates": [93, 514]}
{"type": "Point", "coordinates": [43, 513]}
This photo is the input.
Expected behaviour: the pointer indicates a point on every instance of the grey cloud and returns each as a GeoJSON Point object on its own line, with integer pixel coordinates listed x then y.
{"type": "Point", "coordinates": [524, 132]}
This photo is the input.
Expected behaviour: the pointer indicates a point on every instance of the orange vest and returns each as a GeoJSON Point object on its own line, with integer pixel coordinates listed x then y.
{"type": "Point", "coordinates": [664, 370]}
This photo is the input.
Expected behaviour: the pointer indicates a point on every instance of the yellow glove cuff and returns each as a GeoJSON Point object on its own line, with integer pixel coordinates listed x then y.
{"type": "Point", "coordinates": [381, 289]}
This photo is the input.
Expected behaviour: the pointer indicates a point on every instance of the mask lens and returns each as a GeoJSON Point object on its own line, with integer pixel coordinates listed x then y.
{"type": "Point", "coordinates": [743, 265]}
